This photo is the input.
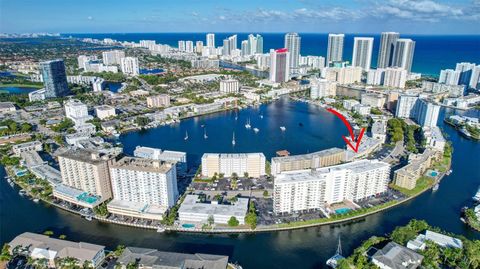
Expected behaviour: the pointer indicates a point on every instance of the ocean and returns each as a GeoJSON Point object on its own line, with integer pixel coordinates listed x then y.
{"type": "Point", "coordinates": [432, 52]}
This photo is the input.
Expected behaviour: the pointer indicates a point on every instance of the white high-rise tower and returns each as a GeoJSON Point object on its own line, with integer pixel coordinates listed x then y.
{"type": "Point", "coordinates": [385, 52]}
{"type": "Point", "coordinates": [292, 44]}
{"type": "Point", "coordinates": [335, 48]}
{"type": "Point", "coordinates": [362, 52]}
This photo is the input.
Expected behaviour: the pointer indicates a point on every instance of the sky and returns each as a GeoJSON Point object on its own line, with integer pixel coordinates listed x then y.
{"type": "Point", "coordinates": [318, 16]}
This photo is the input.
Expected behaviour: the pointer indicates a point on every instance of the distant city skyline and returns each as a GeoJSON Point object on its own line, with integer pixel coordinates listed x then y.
{"type": "Point", "coordinates": [304, 16]}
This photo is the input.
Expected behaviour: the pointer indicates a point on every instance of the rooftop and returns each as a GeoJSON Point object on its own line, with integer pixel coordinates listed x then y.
{"type": "Point", "coordinates": [160, 259]}
{"type": "Point", "coordinates": [396, 256]}
{"type": "Point", "coordinates": [141, 164]}
{"type": "Point", "coordinates": [85, 155]}
{"type": "Point", "coordinates": [191, 204]}
{"type": "Point", "coordinates": [322, 153]}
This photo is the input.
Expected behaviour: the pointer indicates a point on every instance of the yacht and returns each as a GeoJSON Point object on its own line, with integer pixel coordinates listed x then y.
{"type": "Point", "coordinates": [283, 128]}
{"type": "Point", "coordinates": [186, 136]}
{"type": "Point", "coordinates": [247, 125]}
{"type": "Point", "coordinates": [256, 130]}
{"type": "Point", "coordinates": [36, 200]}
{"type": "Point", "coordinates": [22, 192]}
{"type": "Point", "coordinates": [160, 229]}
{"type": "Point", "coordinates": [476, 198]}
{"type": "Point", "coordinates": [333, 261]}
{"type": "Point", "coordinates": [233, 139]}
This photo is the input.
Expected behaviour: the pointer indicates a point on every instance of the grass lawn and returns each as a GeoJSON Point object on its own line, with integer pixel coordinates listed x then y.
{"type": "Point", "coordinates": [422, 183]}
{"type": "Point", "coordinates": [21, 85]}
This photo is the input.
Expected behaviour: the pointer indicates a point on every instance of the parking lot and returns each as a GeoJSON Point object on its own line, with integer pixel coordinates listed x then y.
{"type": "Point", "coordinates": [233, 184]}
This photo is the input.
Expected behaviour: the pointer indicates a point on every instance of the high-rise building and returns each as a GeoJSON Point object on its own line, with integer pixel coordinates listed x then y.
{"type": "Point", "coordinates": [344, 75]}
{"type": "Point", "coordinates": [181, 45]}
{"type": "Point", "coordinates": [427, 114]}
{"type": "Point", "coordinates": [199, 46]}
{"type": "Point", "coordinates": [475, 78]}
{"type": "Point", "coordinates": [130, 66]}
{"type": "Point", "coordinates": [233, 43]}
{"type": "Point", "coordinates": [305, 190]}
{"type": "Point", "coordinates": [387, 46]}
{"type": "Point", "coordinates": [322, 88]}
{"type": "Point", "coordinates": [403, 54]}
{"type": "Point", "coordinates": [279, 65]}
{"type": "Point", "coordinates": [139, 180]}
{"type": "Point", "coordinates": [54, 78]}
{"type": "Point", "coordinates": [84, 59]}
{"type": "Point", "coordinates": [335, 48]}
{"type": "Point", "coordinates": [259, 44]}
{"type": "Point", "coordinates": [86, 170]}
{"type": "Point", "coordinates": [395, 77]}
{"type": "Point", "coordinates": [189, 46]}
{"type": "Point", "coordinates": [362, 52]}
{"type": "Point", "coordinates": [226, 47]}
{"type": "Point", "coordinates": [465, 70]}
{"type": "Point", "coordinates": [292, 44]}
{"type": "Point", "coordinates": [375, 77]}
{"type": "Point", "coordinates": [211, 40]}
{"type": "Point", "coordinates": [229, 86]}
{"type": "Point", "coordinates": [112, 57]}
{"type": "Point", "coordinates": [449, 77]}
{"type": "Point", "coordinates": [227, 164]}
{"type": "Point", "coordinates": [406, 106]}
{"type": "Point", "coordinates": [245, 48]}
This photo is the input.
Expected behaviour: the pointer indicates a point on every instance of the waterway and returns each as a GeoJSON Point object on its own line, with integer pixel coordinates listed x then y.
{"type": "Point", "coordinates": [303, 248]}
{"type": "Point", "coordinates": [17, 90]}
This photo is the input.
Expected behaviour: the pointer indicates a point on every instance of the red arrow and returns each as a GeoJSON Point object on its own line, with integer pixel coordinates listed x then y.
{"type": "Point", "coordinates": [352, 136]}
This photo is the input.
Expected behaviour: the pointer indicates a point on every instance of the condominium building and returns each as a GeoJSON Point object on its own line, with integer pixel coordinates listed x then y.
{"type": "Point", "coordinates": [403, 54]}
{"type": "Point", "coordinates": [104, 111]}
{"type": "Point", "coordinates": [449, 77]}
{"type": "Point", "coordinates": [181, 45]}
{"type": "Point", "coordinates": [375, 77]}
{"type": "Point", "coordinates": [322, 88]}
{"type": "Point", "coordinates": [211, 40]}
{"type": "Point", "coordinates": [452, 90]}
{"type": "Point", "coordinates": [279, 65]}
{"type": "Point", "coordinates": [143, 181]}
{"type": "Point", "coordinates": [407, 176]}
{"type": "Point", "coordinates": [304, 190]}
{"type": "Point", "coordinates": [335, 48]}
{"type": "Point", "coordinates": [83, 59]}
{"type": "Point", "coordinates": [313, 160]}
{"type": "Point", "coordinates": [344, 75]}
{"type": "Point", "coordinates": [77, 111]}
{"type": "Point", "coordinates": [292, 44]}
{"type": "Point", "coordinates": [129, 66]}
{"type": "Point", "coordinates": [229, 86]}
{"type": "Point", "coordinates": [189, 46]}
{"type": "Point", "coordinates": [475, 78]}
{"type": "Point", "coordinates": [161, 100]}
{"type": "Point", "coordinates": [395, 77]}
{"type": "Point", "coordinates": [362, 52]}
{"type": "Point", "coordinates": [465, 71]}
{"type": "Point", "coordinates": [113, 57]}
{"type": "Point", "coordinates": [423, 111]}
{"type": "Point", "coordinates": [406, 106]}
{"type": "Point", "coordinates": [54, 78]}
{"type": "Point", "coordinates": [228, 164]}
{"type": "Point", "coordinates": [87, 171]}
{"type": "Point", "coordinates": [178, 157]}
{"type": "Point", "coordinates": [373, 100]}
{"type": "Point", "coordinates": [199, 46]}
{"type": "Point", "coordinates": [387, 46]}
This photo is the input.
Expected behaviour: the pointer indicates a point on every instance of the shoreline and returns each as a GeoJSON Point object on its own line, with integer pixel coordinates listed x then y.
{"type": "Point", "coordinates": [240, 231]}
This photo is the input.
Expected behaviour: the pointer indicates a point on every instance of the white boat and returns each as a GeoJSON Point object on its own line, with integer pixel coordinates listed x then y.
{"type": "Point", "coordinates": [333, 261]}
{"type": "Point", "coordinates": [89, 218]}
{"type": "Point", "coordinates": [256, 130]}
{"type": "Point", "coordinates": [283, 128]}
{"type": "Point", "coordinates": [261, 116]}
{"type": "Point", "coordinates": [205, 136]}
{"type": "Point", "coordinates": [22, 192]}
{"type": "Point", "coordinates": [247, 125]}
{"type": "Point", "coordinates": [233, 139]}
{"type": "Point", "coordinates": [186, 136]}
{"type": "Point", "coordinates": [435, 188]}
{"type": "Point", "coordinates": [36, 200]}
{"type": "Point", "coordinates": [160, 230]}
{"type": "Point", "coordinates": [476, 198]}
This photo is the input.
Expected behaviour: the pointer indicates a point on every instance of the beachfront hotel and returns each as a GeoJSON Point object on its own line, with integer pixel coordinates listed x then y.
{"type": "Point", "coordinates": [302, 190]}
{"type": "Point", "coordinates": [142, 187]}
{"type": "Point", "coordinates": [228, 164]}
{"type": "Point", "coordinates": [313, 160]}
{"type": "Point", "coordinates": [85, 177]}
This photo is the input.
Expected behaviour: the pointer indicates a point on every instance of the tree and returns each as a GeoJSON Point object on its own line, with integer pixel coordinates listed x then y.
{"type": "Point", "coordinates": [119, 250]}
{"type": "Point", "coordinates": [211, 220]}
{"type": "Point", "coordinates": [62, 236]}
{"type": "Point", "coordinates": [265, 193]}
{"type": "Point", "coordinates": [48, 233]}
{"type": "Point", "coordinates": [233, 222]}
{"type": "Point", "coordinates": [142, 121]}
{"type": "Point", "coordinates": [245, 175]}
{"type": "Point", "coordinates": [5, 255]}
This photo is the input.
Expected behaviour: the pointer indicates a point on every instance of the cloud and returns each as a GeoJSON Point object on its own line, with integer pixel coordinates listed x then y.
{"type": "Point", "coordinates": [421, 10]}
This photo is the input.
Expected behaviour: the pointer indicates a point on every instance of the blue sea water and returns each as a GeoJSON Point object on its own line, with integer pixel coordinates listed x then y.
{"type": "Point", "coordinates": [432, 53]}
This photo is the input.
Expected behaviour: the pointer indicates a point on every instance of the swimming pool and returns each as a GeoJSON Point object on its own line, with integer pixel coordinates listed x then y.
{"type": "Point", "coordinates": [85, 197]}
{"type": "Point", "coordinates": [188, 225]}
{"type": "Point", "coordinates": [342, 210]}
{"type": "Point", "coordinates": [433, 173]}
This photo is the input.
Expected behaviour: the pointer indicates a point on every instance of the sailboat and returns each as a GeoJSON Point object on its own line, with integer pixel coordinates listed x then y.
{"type": "Point", "coordinates": [205, 133]}
{"type": "Point", "coordinates": [233, 139]}
{"type": "Point", "coordinates": [247, 125]}
{"type": "Point", "coordinates": [256, 130]}
{"type": "Point", "coordinates": [186, 135]}
{"type": "Point", "coordinates": [283, 128]}
{"type": "Point", "coordinates": [333, 261]}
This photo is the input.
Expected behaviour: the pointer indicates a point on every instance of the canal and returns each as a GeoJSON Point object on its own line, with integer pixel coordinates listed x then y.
{"type": "Point", "coordinates": [303, 248]}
